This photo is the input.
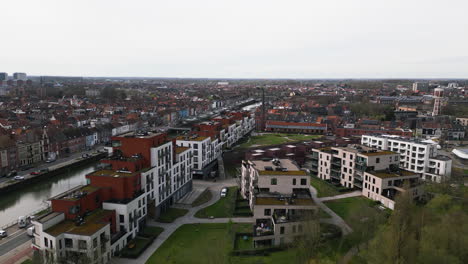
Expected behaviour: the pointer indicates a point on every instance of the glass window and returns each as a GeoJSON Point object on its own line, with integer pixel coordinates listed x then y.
{"type": "Point", "coordinates": [274, 181]}
{"type": "Point", "coordinates": [303, 181]}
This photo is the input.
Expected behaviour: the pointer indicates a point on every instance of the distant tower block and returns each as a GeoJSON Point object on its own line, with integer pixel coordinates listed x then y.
{"type": "Point", "coordinates": [438, 94]}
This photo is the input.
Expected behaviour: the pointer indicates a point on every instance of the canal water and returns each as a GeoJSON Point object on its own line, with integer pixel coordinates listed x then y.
{"type": "Point", "coordinates": [33, 197]}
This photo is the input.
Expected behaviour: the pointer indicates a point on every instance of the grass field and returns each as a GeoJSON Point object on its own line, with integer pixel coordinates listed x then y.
{"type": "Point", "coordinates": [324, 189]}
{"type": "Point", "coordinates": [209, 243]}
{"type": "Point", "coordinates": [344, 207]}
{"type": "Point", "coordinates": [224, 207]}
{"type": "Point", "coordinates": [172, 214]}
{"type": "Point", "coordinates": [204, 197]}
{"type": "Point", "coordinates": [275, 139]}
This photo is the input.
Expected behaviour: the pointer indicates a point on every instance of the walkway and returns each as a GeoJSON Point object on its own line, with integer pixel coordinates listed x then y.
{"type": "Point", "coordinates": [341, 196]}
{"type": "Point", "coordinates": [335, 219]}
{"type": "Point", "coordinates": [189, 218]}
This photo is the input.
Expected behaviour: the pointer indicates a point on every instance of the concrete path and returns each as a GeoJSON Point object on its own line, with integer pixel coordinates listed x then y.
{"type": "Point", "coordinates": [341, 196]}
{"type": "Point", "coordinates": [335, 219]}
{"type": "Point", "coordinates": [18, 254]}
{"type": "Point", "coordinates": [189, 218]}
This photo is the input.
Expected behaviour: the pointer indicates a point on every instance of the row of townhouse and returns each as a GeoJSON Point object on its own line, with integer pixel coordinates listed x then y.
{"type": "Point", "coordinates": [95, 222]}
{"type": "Point", "coordinates": [37, 145]}
{"type": "Point", "coordinates": [415, 155]}
{"type": "Point", "coordinates": [210, 138]}
{"type": "Point", "coordinates": [375, 172]}
{"type": "Point", "coordinates": [280, 199]}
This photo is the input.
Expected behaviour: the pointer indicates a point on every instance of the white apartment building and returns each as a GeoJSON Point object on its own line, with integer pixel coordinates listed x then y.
{"type": "Point", "coordinates": [375, 172]}
{"type": "Point", "coordinates": [279, 197]}
{"type": "Point", "coordinates": [171, 174]}
{"type": "Point", "coordinates": [415, 155]}
{"type": "Point", "coordinates": [205, 152]}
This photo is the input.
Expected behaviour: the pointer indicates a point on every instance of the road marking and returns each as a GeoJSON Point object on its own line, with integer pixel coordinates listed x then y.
{"type": "Point", "coordinates": [12, 236]}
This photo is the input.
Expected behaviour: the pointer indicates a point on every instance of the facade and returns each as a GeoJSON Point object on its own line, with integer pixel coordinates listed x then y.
{"type": "Point", "coordinates": [94, 222]}
{"type": "Point", "coordinates": [462, 121]}
{"type": "Point", "coordinates": [375, 172]}
{"type": "Point", "coordinates": [420, 87]}
{"type": "Point", "coordinates": [295, 127]}
{"type": "Point", "coordinates": [20, 76]}
{"type": "Point", "coordinates": [415, 155]}
{"type": "Point", "coordinates": [438, 97]}
{"type": "Point", "coordinates": [279, 196]}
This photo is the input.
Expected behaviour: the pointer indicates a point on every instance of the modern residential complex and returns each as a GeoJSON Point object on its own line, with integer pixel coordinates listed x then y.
{"type": "Point", "coordinates": [95, 221]}
{"type": "Point", "coordinates": [415, 155]}
{"type": "Point", "coordinates": [375, 172]}
{"type": "Point", "coordinates": [279, 197]}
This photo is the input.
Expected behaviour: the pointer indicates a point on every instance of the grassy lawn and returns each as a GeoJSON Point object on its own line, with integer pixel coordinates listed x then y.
{"type": "Point", "coordinates": [243, 244]}
{"type": "Point", "coordinates": [231, 169]}
{"type": "Point", "coordinates": [28, 261]}
{"type": "Point", "coordinates": [275, 139]}
{"type": "Point", "coordinates": [172, 214]}
{"type": "Point", "coordinates": [323, 214]}
{"type": "Point", "coordinates": [324, 189]}
{"type": "Point", "coordinates": [344, 207]}
{"type": "Point", "coordinates": [209, 243]}
{"type": "Point", "coordinates": [204, 197]}
{"type": "Point", "coordinates": [224, 207]}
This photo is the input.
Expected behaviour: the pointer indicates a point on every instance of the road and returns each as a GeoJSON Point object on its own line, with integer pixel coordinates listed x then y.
{"type": "Point", "coordinates": [13, 241]}
{"type": "Point", "coordinates": [27, 173]}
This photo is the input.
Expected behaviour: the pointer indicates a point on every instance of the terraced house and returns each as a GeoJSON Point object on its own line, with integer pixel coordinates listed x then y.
{"type": "Point", "coordinates": [279, 197]}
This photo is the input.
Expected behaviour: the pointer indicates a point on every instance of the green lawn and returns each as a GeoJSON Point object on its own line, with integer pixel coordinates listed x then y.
{"type": "Point", "coordinates": [344, 207]}
{"type": "Point", "coordinates": [204, 197]}
{"type": "Point", "coordinates": [28, 261]}
{"type": "Point", "coordinates": [324, 189]}
{"type": "Point", "coordinates": [323, 214]}
{"type": "Point", "coordinates": [275, 139]}
{"type": "Point", "coordinates": [172, 214]}
{"type": "Point", "coordinates": [224, 207]}
{"type": "Point", "coordinates": [209, 243]}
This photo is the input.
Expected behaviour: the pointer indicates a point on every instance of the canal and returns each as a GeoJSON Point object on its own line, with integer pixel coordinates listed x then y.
{"type": "Point", "coordinates": [33, 197]}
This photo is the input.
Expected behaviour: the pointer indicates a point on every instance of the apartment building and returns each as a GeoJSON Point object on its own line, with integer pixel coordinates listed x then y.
{"type": "Point", "coordinates": [205, 153]}
{"type": "Point", "coordinates": [375, 172]}
{"type": "Point", "coordinates": [279, 197]}
{"type": "Point", "coordinates": [94, 222]}
{"type": "Point", "coordinates": [415, 155]}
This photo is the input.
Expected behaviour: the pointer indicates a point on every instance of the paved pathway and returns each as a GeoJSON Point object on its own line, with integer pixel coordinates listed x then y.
{"type": "Point", "coordinates": [341, 196]}
{"type": "Point", "coordinates": [18, 254]}
{"type": "Point", "coordinates": [335, 219]}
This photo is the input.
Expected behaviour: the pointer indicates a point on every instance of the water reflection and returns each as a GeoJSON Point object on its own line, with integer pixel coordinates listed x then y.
{"type": "Point", "coordinates": [34, 196]}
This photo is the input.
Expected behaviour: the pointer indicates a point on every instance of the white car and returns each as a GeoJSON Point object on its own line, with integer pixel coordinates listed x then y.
{"type": "Point", "coordinates": [3, 233]}
{"type": "Point", "coordinates": [19, 178]}
{"type": "Point", "coordinates": [224, 192]}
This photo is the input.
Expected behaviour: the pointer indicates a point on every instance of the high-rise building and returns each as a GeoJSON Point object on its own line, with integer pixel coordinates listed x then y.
{"type": "Point", "coordinates": [421, 87]}
{"type": "Point", "coordinates": [20, 76]}
{"type": "Point", "coordinates": [3, 76]}
{"type": "Point", "coordinates": [438, 97]}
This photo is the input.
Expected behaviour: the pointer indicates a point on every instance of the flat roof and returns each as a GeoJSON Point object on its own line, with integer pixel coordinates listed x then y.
{"type": "Point", "coordinates": [76, 193]}
{"type": "Point", "coordinates": [392, 174]}
{"type": "Point", "coordinates": [91, 224]}
{"type": "Point", "coordinates": [378, 153]}
{"type": "Point", "coordinates": [287, 166]}
{"type": "Point", "coordinates": [47, 217]}
{"type": "Point", "coordinates": [179, 150]}
{"type": "Point", "coordinates": [112, 173]}
{"type": "Point", "coordinates": [188, 138]}
{"type": "Point", "coordinates": [139, 135]}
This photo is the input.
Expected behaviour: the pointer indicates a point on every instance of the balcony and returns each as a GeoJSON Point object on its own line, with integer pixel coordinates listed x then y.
{"type": "Point", "coordinates": [358, 184]}
{"type": "Point", "coordinates": [263, 227]}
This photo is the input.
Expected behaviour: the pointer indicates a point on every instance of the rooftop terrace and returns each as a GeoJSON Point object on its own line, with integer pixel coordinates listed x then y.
{"type": "Point", "coordinates": [113, 173]}
{"type": "Point", "coordinates": [392, 174]}
{"type": "Point", "coordinates": [91, 224]}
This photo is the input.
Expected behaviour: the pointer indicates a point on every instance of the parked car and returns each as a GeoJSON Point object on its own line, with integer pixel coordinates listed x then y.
{"type": "Point", "coordinates": [35, 173]}
{"type": "Point", "coordinates": [85, 156]}
{"type": "Point", "coordinates": [44, 170]}
{"type": "Point", "coordinates": [224, 192]}
{"type": "Point", "coordinates": [19, 178]}
{"type": "Point", "coordinates": [22, 222]}
{"type": "Point", "coordinates": [27, 167]}
{"type": "Point", "coordinates": [50, 160]}
{"type": "Point", "coordinates": [3, 233]}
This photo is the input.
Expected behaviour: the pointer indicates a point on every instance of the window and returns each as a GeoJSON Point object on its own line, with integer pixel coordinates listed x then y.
{"type": "Point", "coordinates": [282, 230]}
{"type": "Point", "coordinates": [121, 218]}
{"type": "Point", "coordinates": [46, 242]}
{"type": "Point", "coordinates": [95, 242]}
{"type": "Point", "coordinates": [300, 228]}
{"type": "Point", "coordinates": [274, 181]}
{"type": "Point", "coordinates": [294, 181]}
{"type": "Point", "coordinates": [82, 244]}
{"type": "Point", "coordinates": [303, 181]}
{"type": "Point", "coordinates": [267, 212]}
{"type": "Point", "coordinates": [60, 244]}
{"type": "Point", "coordinates": [294, 229]}
{"type": "Point", "coordinates": [68, 243]}
{"type": "Point", "coordinates": [377, 160]}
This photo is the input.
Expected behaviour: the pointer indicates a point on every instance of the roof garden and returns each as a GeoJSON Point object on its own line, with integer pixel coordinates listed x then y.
{"type": "Point", "coordinates": [378, 153]}
{"type": "Point", "coordinates": [179, 150]}
{"type": "Point", "coordinates": [392, 174]}
{"type": "Point", "coordinates": [90, 225]}
{"type": "Point", "coordinates": [282, 173]}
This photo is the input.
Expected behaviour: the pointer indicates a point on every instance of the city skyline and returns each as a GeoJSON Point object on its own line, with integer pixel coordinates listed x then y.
{"type": "Point", "coordinates": [265, 39]}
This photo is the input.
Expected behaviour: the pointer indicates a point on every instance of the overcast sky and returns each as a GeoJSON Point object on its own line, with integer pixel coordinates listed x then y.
{"type": "Point", "coordinates": [236, 39]}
